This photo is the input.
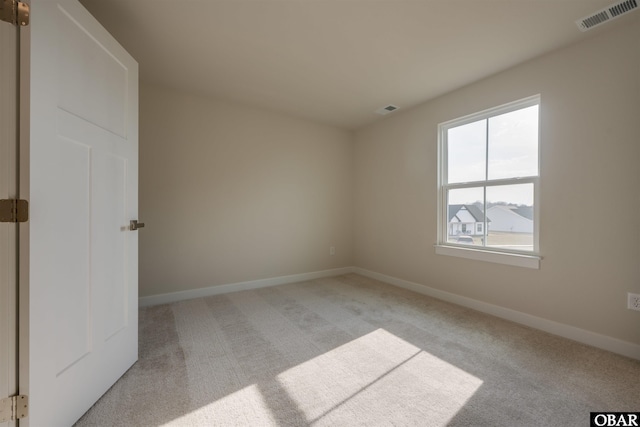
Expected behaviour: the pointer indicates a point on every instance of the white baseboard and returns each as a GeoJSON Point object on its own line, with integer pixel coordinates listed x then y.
{"type": "Point", "coordinates": [604, 342]}
{"type": "Point", "coordinates": [240, 286]}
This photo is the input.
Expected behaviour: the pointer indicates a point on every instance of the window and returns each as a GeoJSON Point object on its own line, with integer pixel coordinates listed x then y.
{"type": "Point", "coordinates": [489, 176]}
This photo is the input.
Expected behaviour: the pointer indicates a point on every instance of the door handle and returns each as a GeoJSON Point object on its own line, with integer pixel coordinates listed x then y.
{"type": "Point", "coordinates": [135, 225]}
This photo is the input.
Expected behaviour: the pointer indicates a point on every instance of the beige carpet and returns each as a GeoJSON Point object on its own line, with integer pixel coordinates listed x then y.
{"type": "Point", "coordinates": [351, 351]}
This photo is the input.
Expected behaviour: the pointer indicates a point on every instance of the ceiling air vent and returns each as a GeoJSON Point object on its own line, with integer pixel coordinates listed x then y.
{"type": "Point", "coordinates": [388, 109]}
{"type": "Point", "coordinates": [606, 14]}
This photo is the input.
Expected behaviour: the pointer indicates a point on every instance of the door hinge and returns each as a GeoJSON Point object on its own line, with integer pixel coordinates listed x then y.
{"type": "Point", "coordinates": [14, 12]}
{"type": "Point", "coordinates": [14, 408]}
{"type": "Point", "coordinates": [14, 210]}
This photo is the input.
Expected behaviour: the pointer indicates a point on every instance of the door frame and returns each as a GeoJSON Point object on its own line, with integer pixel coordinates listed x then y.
{"type": "Point", "coordinates": [24, 192]}
{"type": "Point", "coordinates": [9, 78]}
{"type": "Point", "coordinates": [16, 173]}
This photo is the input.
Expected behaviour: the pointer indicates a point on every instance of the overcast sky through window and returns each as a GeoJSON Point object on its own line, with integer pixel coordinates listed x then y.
{"type": "Point", "coordinates": [512, 153]}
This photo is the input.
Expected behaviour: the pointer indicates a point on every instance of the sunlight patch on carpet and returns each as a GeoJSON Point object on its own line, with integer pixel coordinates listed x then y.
{"type": "Point", "coordinates": [375, 378]}
{"type": "Point", "coordinates": [243, 407]}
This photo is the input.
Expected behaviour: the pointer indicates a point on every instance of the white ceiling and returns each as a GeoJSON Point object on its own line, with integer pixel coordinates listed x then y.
{"type": "Point", "coordinates": [337, 61]}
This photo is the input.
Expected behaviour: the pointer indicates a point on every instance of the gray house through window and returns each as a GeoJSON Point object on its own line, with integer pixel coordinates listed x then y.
{"type": "Point", "coordinates": [465, 220]}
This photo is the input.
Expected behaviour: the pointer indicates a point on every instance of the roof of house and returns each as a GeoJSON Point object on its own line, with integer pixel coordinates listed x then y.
{"type": "Point", "coordinates": [475, 212]}
{"type": "Point", "coordinates": [523, 211]}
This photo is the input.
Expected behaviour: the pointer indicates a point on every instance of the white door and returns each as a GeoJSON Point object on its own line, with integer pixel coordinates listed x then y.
{"type": "Point", "coordinates": [83, 258]}
{"type": "Point", "coordinates": [8, 190]}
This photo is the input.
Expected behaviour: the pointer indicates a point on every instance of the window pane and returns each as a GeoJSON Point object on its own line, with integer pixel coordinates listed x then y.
{"type": "Point", "coordinates": [513, 144]}
{"type": "Point", "coordinates": [466, 152]}
{"type": "Point", "coordinates": [465, 217]}
{"type": "Point", "coordinates": [510, 217]}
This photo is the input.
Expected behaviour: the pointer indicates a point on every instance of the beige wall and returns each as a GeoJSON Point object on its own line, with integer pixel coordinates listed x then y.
{"type": "Point", "coordinates": [232, 194]}
{"type": "Point", "coordinates": [590, 189]}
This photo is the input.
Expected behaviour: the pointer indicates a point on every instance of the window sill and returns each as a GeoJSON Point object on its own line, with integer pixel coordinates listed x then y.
{"type": "Point", "coordinates": [517, 260]}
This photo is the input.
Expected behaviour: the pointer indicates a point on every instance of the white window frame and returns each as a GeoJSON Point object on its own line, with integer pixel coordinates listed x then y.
{"type": "Point", "coordinates": [530, 259]}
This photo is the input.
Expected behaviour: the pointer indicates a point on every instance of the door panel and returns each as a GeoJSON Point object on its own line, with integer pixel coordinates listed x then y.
{"type": "Point", "coordinates": [84, 177]}
{"type": "Point", "coordinates": [110, 260]}
{"type": "Point", "coordinates": [70, 210]}
{"type": "Point", "coordinates": [87, 64]}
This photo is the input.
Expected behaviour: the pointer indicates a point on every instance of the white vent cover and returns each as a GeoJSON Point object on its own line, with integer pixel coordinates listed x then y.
{"type": "Point", "coordinates": [606, 14]}
{"type": "Point", "coordinates": [388, 108]}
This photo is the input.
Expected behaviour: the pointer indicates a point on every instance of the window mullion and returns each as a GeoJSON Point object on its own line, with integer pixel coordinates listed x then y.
{"type": "Point", "coordinates": [494, 183]}
{"type": "Point", "coordinates": [486, 150]}
{"type": "Point", "coordinates": [486, 178]}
